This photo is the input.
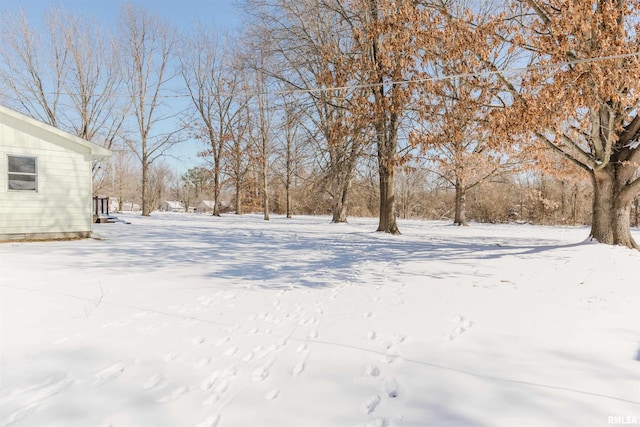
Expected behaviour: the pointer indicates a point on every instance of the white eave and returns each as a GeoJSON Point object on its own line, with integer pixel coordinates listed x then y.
{"type": "Point", "coordinates": [97, 152]}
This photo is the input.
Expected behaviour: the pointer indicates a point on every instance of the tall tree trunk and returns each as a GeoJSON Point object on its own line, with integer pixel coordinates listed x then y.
{"type": "Point", "coordinates": [386, 169]}
{"type": "Point", "coordinates": [238, 197]}
{"type": "Point", "coordinates": [611, 209]}
{"type": "Point", "coordinates": [146, 208]}
{"type": "Point", "coordinates": [265, 186]}
{"type": "Point", "coordinates": [216, 191]}
{"type": "Point", "coordinates": [288, 191]}
{"type": "Point", "coordinates": [387, 218]}
{"type": "Point", "coordinates": [340, 203]}
{"type": "Point", "coordinates": [386, 126]}
{"type": "Point", "coordinates": [387, 160]}
{"type": "Point", "coordinates": [460, 217]}
{"type": "Point", "coordinates": [289, 174]}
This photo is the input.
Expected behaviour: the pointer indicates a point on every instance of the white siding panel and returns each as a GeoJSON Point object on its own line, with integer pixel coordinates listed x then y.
{"type": "Point", "coordinates": [63, 200]}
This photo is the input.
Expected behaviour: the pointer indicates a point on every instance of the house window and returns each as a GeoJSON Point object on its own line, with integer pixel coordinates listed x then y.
{"type": "Point", "coordinates": [22, 173]}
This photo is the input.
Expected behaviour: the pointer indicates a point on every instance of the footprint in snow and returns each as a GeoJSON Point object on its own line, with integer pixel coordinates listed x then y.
{"type": "Point", "coordinates": [222, 386]}
{"type": "Point", "coordinates": [197, 340]}
{"type": "Point", "coordinates": [371, 404]}
{"type": "Point", "coordinates": [210, 381]}
{"type": "Point", "coordinates": [272, 394]}
{"type": "Point", "coordinates": [372, 370]}
{"type": "Point", "coordinates": [202, 363]}
{"type": "Point", "coordinates": [301, 364]}
{"type": "Point", "coordinates": [463, 325]}
{"type": "Point", "coordinates": [172, 356]}
{"type": "Point", "coordinates": [231, 351]}
{"type": "Point", "coordinates": [34, 395]}
{"type": "Point", "coordinates": [109, 373]}
{"type": "Point", "coordinates": [260, 374]}
{"type": "Point", "coordinates": [152, 382]}
{"type": "Point", "coordinates": [308, 321]}
{"type": "Point", "coordinates": [398, 338]}
{"type": "Point", "coordinates": [391, 354]}
{"type": "Point", "coordinates": [222, 341]}
{"type": "Point", "coordinates": [390, 387]}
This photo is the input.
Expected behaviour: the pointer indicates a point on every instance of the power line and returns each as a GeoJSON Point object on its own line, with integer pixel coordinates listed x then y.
{"type": "Point", "coordinates": [515, 70]}
{"type": "Point", "coordinates": [467, 75]}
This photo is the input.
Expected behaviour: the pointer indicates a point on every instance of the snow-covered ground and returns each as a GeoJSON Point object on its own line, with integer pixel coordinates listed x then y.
{"type": "Point", "coordinates": [190, 320]}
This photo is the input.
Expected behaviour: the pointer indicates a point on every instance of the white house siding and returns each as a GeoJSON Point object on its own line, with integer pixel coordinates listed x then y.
{"type": "Point", "coordinates": [62, 205]}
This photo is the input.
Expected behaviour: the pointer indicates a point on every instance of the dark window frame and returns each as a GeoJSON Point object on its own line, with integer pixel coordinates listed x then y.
{"type": "Point", "coordinates": [14, 175]}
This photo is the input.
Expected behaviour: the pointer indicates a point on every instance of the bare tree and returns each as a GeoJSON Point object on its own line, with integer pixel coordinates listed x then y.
{"type": "Point", "coordinates": [67, 77]}
{"type": "Point", "coordinates": [310, 42]}
{"type": "Point", "coordinates": [123, 176]}
{"type": "Point", "coordinates": [291, 133]}
{"type": "Point", "coordinates": [147, 47]}
{"type": "Point", "coordinates": [264, 138]}
{"type": "Point", "coordinates": [160, 180]}
{"type": "Point", "coordinates": [260, 113]}
{"type": "Point", "coordinates": [34, 66]}
{"type": "Point", "coordinates": [213, 86]}
{"type": "Point", "coordinates": [241, 150]}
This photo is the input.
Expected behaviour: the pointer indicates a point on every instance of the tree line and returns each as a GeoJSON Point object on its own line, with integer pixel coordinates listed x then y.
{"type": "Point", "coordinates": [348, 106]}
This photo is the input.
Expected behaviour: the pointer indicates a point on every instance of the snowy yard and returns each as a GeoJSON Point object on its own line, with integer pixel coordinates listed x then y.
{"type": "Point", "coordinates": [189, 320]}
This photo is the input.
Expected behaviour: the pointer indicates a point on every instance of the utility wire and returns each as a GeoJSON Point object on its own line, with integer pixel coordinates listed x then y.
{"type": "Point", "coordinates": [516, 70]}
{"type": "Point", "coordinates": [467, 75]}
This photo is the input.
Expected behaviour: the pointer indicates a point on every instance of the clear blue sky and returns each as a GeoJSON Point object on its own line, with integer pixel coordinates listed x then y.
{"type": "Point", "coordinates": [223, 14]}
{"type": "Point", "coordinates": [181, 13]}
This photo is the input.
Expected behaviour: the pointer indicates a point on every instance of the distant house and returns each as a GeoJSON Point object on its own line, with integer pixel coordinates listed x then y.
{"type": "Point", "coordinates": [114, 204]}
{"type": "Point", "coordinates": [172, 206]}
{"type": "Point", "coordinates": [129, 207]}
{"type": "Point", "coordinates": [45, 180]}
{"type": "Point", "coordinates": [205, 206]}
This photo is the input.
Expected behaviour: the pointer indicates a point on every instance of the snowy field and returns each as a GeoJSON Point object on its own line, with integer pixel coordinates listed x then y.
{"type": "Point", "coordinates": [189, 320]}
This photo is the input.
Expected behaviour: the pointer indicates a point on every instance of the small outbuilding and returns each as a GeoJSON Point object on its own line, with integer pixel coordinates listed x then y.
{"type": "Point", "coordinates": [205, 206]}
{"type": "Point", "coordinates": [172, 206]}
{"type": "Point", "coordinates": [46, 177]}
